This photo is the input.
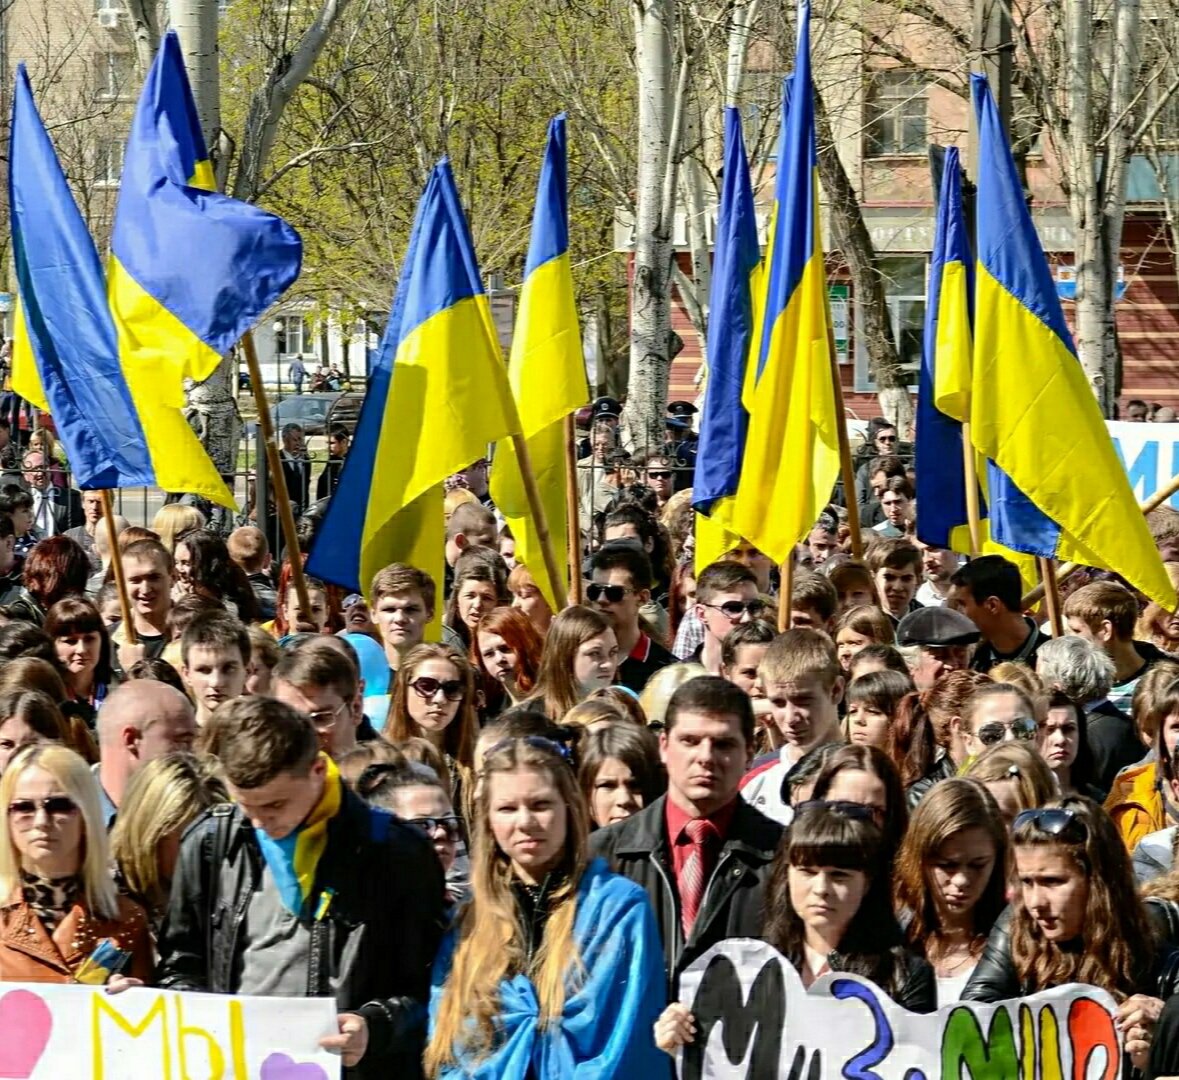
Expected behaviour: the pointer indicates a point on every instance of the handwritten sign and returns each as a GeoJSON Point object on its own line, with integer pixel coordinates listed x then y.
{"type": "Point", "coordinates": [755, 1019]}
{"type": "Point", "coordinates": [53, 1032]}
{"type": "Point", "coordinates": [1150, 454]}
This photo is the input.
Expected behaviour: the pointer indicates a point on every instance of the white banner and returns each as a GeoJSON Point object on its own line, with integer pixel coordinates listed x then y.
{"type": "Point", "coordinates": [1150, 454]}
{"type": "Point", "coordinates": [755, 1019]}
{"type": "Point", "coordinates": [50, 1032]}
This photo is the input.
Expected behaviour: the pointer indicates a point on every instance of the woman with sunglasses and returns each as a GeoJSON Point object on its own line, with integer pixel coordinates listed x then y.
{"type": "Point", "coordinates": [555, 967]}
{"type": "Point", "coordinates": [1076, 917]}
{"type": "Point", "coordinates": [1016, 776]}
{"type": "Point", "coordinates": [942, 708]}
{"type": "Point", "coordinates": [950, 880]}
{"type": "Point", "coordinates": [434, 699]}
{"type": "Point", "coordinates": [866, 776]}
{"type": "Point", "coordinates": [59, 895]}
{"type": "Point", "coordinates": [506, 654]}
{"type": "Point", "coordinates": [580, 655]}
{"type": "Point", "coordinates": [828, 909]}
{"type": "Point", "coordinates": [999, 712]}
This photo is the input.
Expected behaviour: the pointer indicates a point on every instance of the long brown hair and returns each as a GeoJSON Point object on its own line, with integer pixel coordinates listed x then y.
{"type": "Point", "coordinates": [569, 630]}
{"type": "Point", "coordinates": [1117, 944]}
{"type": "Point", "coordinates": [951, 807]}
{"type": "Point", "coordinates": [458, 740]}
{"type": "Point", "coordinates": [491, 943]}
{"type": "Point", "coordinates": [947, 698]}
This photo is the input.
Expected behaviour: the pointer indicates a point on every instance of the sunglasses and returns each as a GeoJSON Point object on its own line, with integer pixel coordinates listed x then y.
{"type": "Point", "coordinates": [854, 810]}
{"type": "Point", "coordinates": [451, 825]}
{"type": "Point", "coordinates": [658, 474]}
{"type": "Point", "coordinates": [325, 719]}
{"type": "Point", "coordinates": [56, 806]}
{"type": "Point", "coordinates": [1022, 728]}
{"type": "Point", "coordinates": [1055, 821]}
{"type": "Point", "coordinates": [734, 609]}
{"type": "Point", "coordinates": [614, 594]}
{"type": "Point", "coordinates": [426, 687]}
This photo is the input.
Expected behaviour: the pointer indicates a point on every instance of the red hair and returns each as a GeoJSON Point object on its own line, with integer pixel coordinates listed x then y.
{"type": "Point", "coordinates": [517, 630]}
{"type": "Point", "coordinates": [56, 568]}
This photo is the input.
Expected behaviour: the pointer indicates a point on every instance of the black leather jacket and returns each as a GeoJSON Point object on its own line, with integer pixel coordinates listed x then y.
{"type": "Point", "coordinates": [943, 769]}
{"type": "Point", "coordinates": [373, 949]}
{"type": "Point", "coordinates": [912, 986]}
{"type": "Point", "coordinates": [638, 848]}
{"type": "Point", "coordinates": [995, 978]}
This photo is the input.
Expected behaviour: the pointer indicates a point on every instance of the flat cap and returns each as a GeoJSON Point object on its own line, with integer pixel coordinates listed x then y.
{"type": "Point", "coordinates": [936, 626]}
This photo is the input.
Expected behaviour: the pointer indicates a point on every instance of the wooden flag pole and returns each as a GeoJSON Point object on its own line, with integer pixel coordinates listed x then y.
{"type": "Point", "coordinates": [573, 512]}
{"type": "Point", "coordinates": [1051, 595]}
{"type": "Point", "coordinates": [278, 484]}
{"type": "Point", "coordinates": [786, 594]}
{"type": "Point", "coordinates": [1068, 569]}
{"type": "Point", "coordinates": [970, 478]}
{"type": "Point", "coordinates": [847, 470]}
{"type": "Point", "coordinates": [536, 508]}
{"type": "Point", "coordinates": [108, 514]}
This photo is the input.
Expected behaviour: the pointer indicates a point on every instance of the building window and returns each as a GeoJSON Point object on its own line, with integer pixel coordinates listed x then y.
{"type": "Point", "coordinates": [896, 114]}
{"type": "Point", "coordinates": [761, 114]}
{"type": "Point", "coordinates": [108, 161]}
{"type": "Point", "coordinates": [904, 290]}
{"type": "Point", "coordinates": [294, 335]}
{"type": "Point", "coordinates": [114, 73]}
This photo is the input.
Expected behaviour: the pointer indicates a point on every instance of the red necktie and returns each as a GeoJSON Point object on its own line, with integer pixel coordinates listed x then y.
{"type": "Point", "coordinates": [694, 875]}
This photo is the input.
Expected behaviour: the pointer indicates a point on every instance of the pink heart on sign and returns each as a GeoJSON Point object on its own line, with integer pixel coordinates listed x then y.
{"type": "Point", "coordinates": [26, 1022]}
{"type": "Point", "coordinates": [281, 1067]}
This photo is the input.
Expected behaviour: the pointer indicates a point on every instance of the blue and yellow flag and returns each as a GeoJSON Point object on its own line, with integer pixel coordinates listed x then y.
{"type": "Point", "coordinates": [1032, 411]}
{"type": "Point", "coordinates": [792, 450]}
{"type": "Point", "coordinates": [724, 423]}
{"type": "Point", "coordinates": [546, 370]}
{"type": "Point", "coordinates": [66, 355]}
{"type": "Point", "coordinates": [191, 269]}
{"type": "Point", "coordinates": [437, 395]}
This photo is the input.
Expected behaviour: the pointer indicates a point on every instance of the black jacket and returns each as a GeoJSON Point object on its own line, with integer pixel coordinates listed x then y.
{"type": "Point", "coordinates": [995, 978]}
{"type": "Point", "coordinates": [912, 986]}
{"type": "Point", "coordinates": [1113, 740]}
{"type": "Point", "coordinates": [373, 949]}
{"type": "Point", "coordinates": [638, 848]}
{"type": "Point", "coordinates": [943, 769]}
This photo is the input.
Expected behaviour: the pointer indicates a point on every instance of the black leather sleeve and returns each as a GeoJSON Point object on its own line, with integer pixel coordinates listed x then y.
{"type": "Point", "coordinates": [184, 935]}
{"type": "Point", "coordinates": [995, 978]}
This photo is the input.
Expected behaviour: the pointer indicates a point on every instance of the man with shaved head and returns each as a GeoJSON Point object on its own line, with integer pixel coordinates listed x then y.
{"type": "Point", "coordinates": [139, 722]}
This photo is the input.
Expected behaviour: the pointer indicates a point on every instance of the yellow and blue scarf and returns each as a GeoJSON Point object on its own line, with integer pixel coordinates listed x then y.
{"type": "Point", "coordinates": [293, 859]}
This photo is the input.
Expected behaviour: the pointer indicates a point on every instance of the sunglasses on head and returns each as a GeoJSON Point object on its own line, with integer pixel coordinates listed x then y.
{"type": "Point", "coordinates": [734, 609]}
{"type": "Point", "coordinates": [1022, 728]}
{"type": "Point", "coordinates": [854, 810]}
{"type": "Point", "coordinates": [1057, 821]}
{"type": "Point", "coordinates": [426, 687]}
{"type": "Point", "coordinates": [54, 806]}
{"type": "Point", "coordinates": [614, 594]}
{"type": "Point", "coordinates": [452, 826]}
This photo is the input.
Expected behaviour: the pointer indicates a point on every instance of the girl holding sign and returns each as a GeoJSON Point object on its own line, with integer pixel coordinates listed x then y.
{"type": "Point", "coordinates": [828, 909]}
{"type": "Point", "coordinates": [950, 882]}
{"type": "Point", "coordinates": [1077, 918]}
{"type": "Point", "coordinates": [555, 966]}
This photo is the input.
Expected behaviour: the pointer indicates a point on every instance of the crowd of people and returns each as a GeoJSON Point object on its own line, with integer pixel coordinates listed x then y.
{"type": "Point", "coordinates": [496, 834]}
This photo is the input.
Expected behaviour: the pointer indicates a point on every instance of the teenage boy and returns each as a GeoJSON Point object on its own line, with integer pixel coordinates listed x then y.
{"type": "Point", "coordinates": [357, 918]}
{"type": "Point", "coordinates": [147, 567]}
{"type": "Point", "coordinates": [318, 680]}
{"type": "Point", "coordinates": [621, 585]}
{"type": "Point", "coordinates": [1104, 613]}
{"type": "Point", "coordinates": [248, 548]}
{"type": "Point", "coordinates": [989, 593]}
{"type": "Point", "coordinates": [702, 854]}
{"type": "Point", "coordinates": [742, 652]}
{"type": "Point", "coordinates": [895, 565]}
{"type": "Point", "coordinates": [403, 599]}
{"type": "Point", "coordinates": [813, 603]}
{"type": "Point", "coordinates": [726, 597]}
{"type": "Point", "coordinates": [214, 661]}
{"type": "Point", "coordinates": [803, 683]}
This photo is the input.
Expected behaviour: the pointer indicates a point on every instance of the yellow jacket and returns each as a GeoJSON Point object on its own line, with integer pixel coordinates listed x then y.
{"type": "Point", "coordinates": [1136, 804]}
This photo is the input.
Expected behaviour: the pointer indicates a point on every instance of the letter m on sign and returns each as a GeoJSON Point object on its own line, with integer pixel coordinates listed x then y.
{"type": "Point", "coordinates": [759, 1020]}
{"type": "Point", "coordinates": [992, 1057]}
{"type": "Point", "coordinates": [100, 1006]}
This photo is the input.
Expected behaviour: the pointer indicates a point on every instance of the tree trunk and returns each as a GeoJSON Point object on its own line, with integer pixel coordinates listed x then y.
{"type": "Point", "coordinates": [145, 32]}
{"type": "Point", "coordinates": [650, 329]}
{"type": "Point", "coordinates": [851, 236]}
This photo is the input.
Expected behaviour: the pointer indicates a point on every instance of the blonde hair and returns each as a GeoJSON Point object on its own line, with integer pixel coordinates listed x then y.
{"type": "Point", "coordinates": [593, 711]}
{"type": "Point", "coordinates": [665, 682]}
{"type": "Point", "coordinates": [455, 498]}
{"type": "Point", "coordinates": [1016, 674]}
{"type": "Point", "coordinates": [173, 519]}
{"type": "Point", "coordinates": [78, 782]}
{"type": "Point", "coordinates": [1016, 761]}
{"type": "Point", "coordinates": [490, 938]}
{"type": "Point", "coordinates": [164, 797]}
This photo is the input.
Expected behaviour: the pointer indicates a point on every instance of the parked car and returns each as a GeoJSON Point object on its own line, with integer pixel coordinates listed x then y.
{"type": "Point", "coordinates": [309, 411]}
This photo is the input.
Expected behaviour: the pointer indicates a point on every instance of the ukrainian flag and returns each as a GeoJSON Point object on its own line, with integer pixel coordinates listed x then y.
{"type": "Point", "coordinates": [792, 450]}
{"type": "Point", "coordinates": [191, 270]}
{"type": "Point", "coordinates": [66, 357]}
{"type": "Point", "coordinates": [546, 370]}
{"type": "Point", "coordinates": [724, 423]}
{"type": "Point", "coordinates": [437, 395]}
{"type": "Point", "coordinates": [1032, 411]}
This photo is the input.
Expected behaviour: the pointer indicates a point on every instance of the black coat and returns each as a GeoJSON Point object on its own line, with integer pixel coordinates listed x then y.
{"type": "Point", "coordinates": [373, 949]}
{"type": "Point", "coordinates": [638, 848]}
{"type": "Point", "coordinates": [1113, 740]}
